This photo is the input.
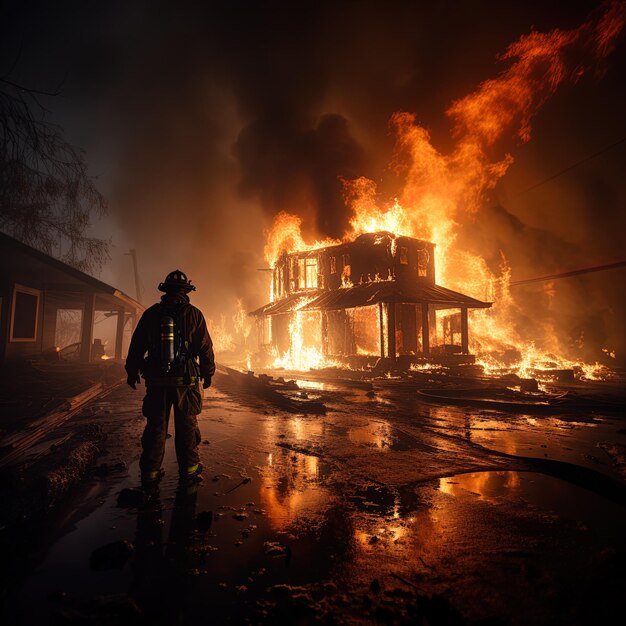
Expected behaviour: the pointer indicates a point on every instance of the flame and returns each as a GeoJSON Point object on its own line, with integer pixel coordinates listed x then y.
{"type": "Point", "coordinates": [285, 235]}
{"type": "Point", "coordinates": [223, 340]}
{"type": "Point", "coordinates": [241, 321]}
{"type": "Point", "coordinates": [441, 188]}
{"type": "Point", "coordinates": [301, 355]}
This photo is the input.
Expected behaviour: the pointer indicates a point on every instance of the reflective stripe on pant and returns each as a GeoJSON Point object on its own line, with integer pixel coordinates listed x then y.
{"type": "Point", "coordinates": [157, 405]}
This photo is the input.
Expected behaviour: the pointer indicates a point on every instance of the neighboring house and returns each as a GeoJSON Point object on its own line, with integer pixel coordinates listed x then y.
{"type": "Point", "coordinates": [370, 298]}
{"type": "Point", "coordinates": [35, 286]}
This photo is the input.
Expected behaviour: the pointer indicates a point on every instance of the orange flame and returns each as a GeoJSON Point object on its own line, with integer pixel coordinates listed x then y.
{"type": "Point", "coordinates": [285, 235]}
{"type": "Point", "coordinates": [438, 187]}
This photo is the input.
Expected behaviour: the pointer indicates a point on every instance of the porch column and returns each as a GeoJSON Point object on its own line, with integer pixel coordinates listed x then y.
{"type": "Point", "coordinates": [391, 330]}
{"type": "Point", "coordinates": [119, 332]}
{"type": "Point", "coordinates": [86, 339]}
{"type": "Point", "coordinates": [324, 326]}
{"type": "Point", "coordinates": [464, 331]}
{"type": "Point", "coordinates": [381, 330]}
{"type": "Point", "coordinates": [425, 329]}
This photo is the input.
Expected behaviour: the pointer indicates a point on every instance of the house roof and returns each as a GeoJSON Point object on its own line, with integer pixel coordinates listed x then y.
{"type": "Point", "coordinates": [56, 276]}
{"type": "Point", "coordinates": [372, 293]}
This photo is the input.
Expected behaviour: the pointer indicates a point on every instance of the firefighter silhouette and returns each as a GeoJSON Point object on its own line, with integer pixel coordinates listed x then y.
{"type": "Point", "coordinates": [172, 350]}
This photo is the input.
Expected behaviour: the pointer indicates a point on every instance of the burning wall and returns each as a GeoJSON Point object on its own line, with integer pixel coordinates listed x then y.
{"type": "Point", "coordinates": [373, 297]}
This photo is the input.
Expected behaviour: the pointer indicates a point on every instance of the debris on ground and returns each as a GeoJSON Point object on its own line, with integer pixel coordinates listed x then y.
{"type": "Point", "coordinates": [113, 555]}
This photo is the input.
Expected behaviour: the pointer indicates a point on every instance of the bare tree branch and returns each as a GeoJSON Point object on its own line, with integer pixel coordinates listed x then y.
{"type": "Point", "coordinates": [47, 197]}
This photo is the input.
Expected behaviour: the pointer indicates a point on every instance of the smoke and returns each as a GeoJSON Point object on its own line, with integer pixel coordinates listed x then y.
{"type": "Point", "coordinates": [204, 120]}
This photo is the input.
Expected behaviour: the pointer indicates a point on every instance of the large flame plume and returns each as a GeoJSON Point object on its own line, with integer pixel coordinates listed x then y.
{"type": "Point", "coordinates": [438, 188]}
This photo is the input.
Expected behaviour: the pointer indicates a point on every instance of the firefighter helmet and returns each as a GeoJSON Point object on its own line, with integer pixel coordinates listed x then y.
{"type": "Point", "coordinates": [176, 280]}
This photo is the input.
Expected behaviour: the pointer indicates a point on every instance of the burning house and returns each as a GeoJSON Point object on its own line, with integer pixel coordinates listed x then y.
{"type": "Point", "coordinates": [355, 302]}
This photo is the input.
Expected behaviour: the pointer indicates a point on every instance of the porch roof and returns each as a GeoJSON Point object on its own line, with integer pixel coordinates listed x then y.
{"type": "Point", "coordinates": [372, 293]}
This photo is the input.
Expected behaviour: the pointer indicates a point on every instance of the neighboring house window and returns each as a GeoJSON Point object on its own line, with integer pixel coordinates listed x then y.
{"type": "Point", "coordinates": [422, 262]}
{"type": "Point", "coordinates": [404, 255]}
{"type": "Point", "coordinates": [24, 314]}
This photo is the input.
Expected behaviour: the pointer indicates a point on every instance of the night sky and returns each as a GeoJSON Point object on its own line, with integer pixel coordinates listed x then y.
{"type": "Point", "coordinates": [201, 120]}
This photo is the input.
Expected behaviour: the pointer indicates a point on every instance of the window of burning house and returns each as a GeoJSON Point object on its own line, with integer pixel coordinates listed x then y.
{"type": "Point", "coordinates": [447, 330]}
{"type": "Point", "coordinates": [422, 262]}
{"type": "Point", "coordinates": [333, 264]}
{"type": "Point", "coordinates": [365, 330]}
{"type": "Point", "coordinates": [353, 331]}
{"type": "Point", "coordinates": [307, 273]}
{"type": "Point", "coordinates": [347, 269]}
{"type": "Point", "coordinates": [404, 255]}
{"type": "Point", "coordinates": [24, 314]}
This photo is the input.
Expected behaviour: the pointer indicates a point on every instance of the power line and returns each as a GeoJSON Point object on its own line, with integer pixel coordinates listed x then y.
{"type": "Point", "coordinates": [569, 168]}
{"type": "Point", "coordinates": [578, 272]}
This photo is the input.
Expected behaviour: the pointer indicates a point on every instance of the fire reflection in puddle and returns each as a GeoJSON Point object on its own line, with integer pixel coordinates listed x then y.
{"type": "Point", "coordinates": [538, 491]}
{"type": "Point", "coordinates": [487, 485]}
{"type": "Point", "coordinates": [375, 434]}
{"type": "Point", "coordinates": [291, 492]}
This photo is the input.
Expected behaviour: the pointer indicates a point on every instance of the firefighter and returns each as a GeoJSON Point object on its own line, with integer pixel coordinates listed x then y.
{"type": "Point", "coordinates": [179, 350]}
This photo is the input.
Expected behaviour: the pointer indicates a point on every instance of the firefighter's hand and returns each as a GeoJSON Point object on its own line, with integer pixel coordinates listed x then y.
{"type": "Point", "coordinates": [132, 380]}
{"type": "Point", "coordinates": [206, 383]}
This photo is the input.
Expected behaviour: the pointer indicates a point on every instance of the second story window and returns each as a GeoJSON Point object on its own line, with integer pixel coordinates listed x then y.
{"type": "Point", "coordinates": [422, 262]}
{"type": "Point", "coordinates": [311, 273]}
{"type": "Point", "coordinates": [307, 273]}
{"type": "Point", "coordinates": [404, 255]}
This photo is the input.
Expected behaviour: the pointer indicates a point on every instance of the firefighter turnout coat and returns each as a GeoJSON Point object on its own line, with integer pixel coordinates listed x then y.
{"type": "Point", "coordinates": [146, 339]}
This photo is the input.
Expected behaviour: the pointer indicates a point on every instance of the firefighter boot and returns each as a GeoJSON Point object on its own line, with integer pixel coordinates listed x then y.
{"type": "Point", "coordinates": [150, 479]}
{"type": "Point", "coordinates": [193, 474]}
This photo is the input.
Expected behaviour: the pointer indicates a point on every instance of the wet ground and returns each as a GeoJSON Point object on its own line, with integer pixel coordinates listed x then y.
{"type": "Point", "coordinates": [385, 509]}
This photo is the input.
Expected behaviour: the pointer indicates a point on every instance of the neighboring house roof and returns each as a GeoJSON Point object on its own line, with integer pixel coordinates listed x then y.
{"type": "Point", "coordinates": [372, 293]}
{"type": "Point", "coordinates": [67, 271]}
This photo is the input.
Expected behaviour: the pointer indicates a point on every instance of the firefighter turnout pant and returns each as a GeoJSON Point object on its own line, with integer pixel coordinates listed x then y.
{"type": "Point", "coordinates": [157, 405]}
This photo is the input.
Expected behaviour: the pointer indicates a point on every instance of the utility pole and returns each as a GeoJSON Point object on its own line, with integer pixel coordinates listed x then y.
{"type": "Point", "coordinates": [133, 254]}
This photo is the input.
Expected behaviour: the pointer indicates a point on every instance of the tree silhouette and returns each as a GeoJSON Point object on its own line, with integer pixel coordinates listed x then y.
{"type": "Point", "coordinates": [47, 197]}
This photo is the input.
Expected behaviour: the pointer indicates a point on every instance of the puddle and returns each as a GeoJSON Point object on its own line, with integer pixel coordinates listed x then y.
{"type": "Point", "coordinates": [542, 492]}
{"type": "Point", "coordinates": [246, 546]}
{"type": "Point", "coordinates": [375, 434]}
{"type": "Point", "coordinates": [381, 435]}
{"type": "Point", "coordinates": [329, 500]}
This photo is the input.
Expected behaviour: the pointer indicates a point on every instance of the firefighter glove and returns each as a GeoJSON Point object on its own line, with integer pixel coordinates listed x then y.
{"type": "Point", "coordinates": [132, 380]}
{"type": "Point", "coordinates": [207, 383]}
